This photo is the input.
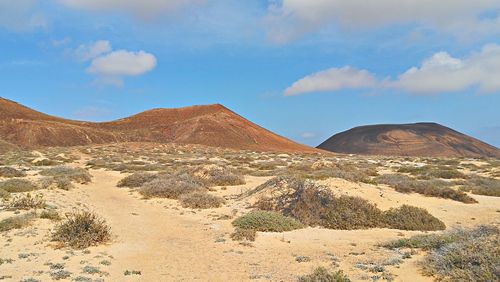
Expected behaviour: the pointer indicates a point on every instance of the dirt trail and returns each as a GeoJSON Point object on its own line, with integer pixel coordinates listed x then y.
{"type": "Point", "coordinates": [159, 242]}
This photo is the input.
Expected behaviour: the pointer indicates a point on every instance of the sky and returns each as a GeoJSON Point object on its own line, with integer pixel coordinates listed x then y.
{"type": "Point", "coordinates": [305, 69]}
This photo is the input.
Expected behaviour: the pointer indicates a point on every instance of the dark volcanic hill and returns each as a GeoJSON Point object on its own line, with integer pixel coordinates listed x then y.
{"type": "Point", "coordinates": [418, 139]}
{"type": "Point", "coordinates": [211, 125]}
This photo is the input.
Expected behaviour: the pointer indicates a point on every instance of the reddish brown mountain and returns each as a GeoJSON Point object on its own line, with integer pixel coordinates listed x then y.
{"type": "Point", "coordinates": [419, 139]}
{"type": "Point", "coordinates": [212, 125]}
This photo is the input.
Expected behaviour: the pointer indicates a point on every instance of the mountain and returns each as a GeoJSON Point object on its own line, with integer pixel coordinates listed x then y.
{"type": "Point", "coordinates": [418, 139]}
{"type": "Point", "coordinates": [211, 125]}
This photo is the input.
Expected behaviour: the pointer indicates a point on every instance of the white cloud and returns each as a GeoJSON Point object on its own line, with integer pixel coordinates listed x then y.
{"type": "Point", "coordinates": [87, 52]}
{"type": "Point", "coordinates": [143, 9]}
{"type": "Point", "coordinates": [292, 18]}
{"type": "Point", "coordinates": [112, 67]}
{"type": "Point", "coordinates": [308, 135]}
{"type": "Point", "coordinates": [21, 15]}
{"type": "Point", "coordinates": [441, 73]}
{"type": "Point", "coordinates": [332, 80]}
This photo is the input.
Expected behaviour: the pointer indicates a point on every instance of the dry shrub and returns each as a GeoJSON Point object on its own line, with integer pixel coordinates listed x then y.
{"type": "Point", "coordinates": [321, 274]}
{"type": "Point", "coordinates": [349, 172]}
{"type": "Point", "coordinates": [45, 162]}
{"type": "Point", "coordinates": [50, 214]}
{"type": "Point", "coordinates": [213, 175]}
{"type": "Point", "coordinates": [266, 221]}
{"type": "Point", "coordinates": [16, 222]}
{"type": "Point", "coordinates": [412, 218]}
{"type": "Point", "coordinates": [241, 234]}
{"type": "Point", "coordinates": [314, 205]}
{"type": "Point", "coordinates": [9, 172]}
{"type": "Point", "coordinates": [201, 200]}
{"type": "Point", "coordinates": [63, 183]}
{"type": "Point", "coordinates": [26, 202]}
{"type": "Point", "coordinates": [4, 194]}
{"type": "Point", "coordinates": [171, 187]}
{"type": "Point", "coordinates": [136, 180]}
{"type": "Point", "coordinates": [431, 188]}
{"type": "Point", "coordinates": [17, 185]}
{"type": "Point", "coordinates": [78, 175]}
{"type": "Point", "coordinates": [482, 186]}
{"type": "Point", "coordinates": [433, 171]}
{"type": "Point", "coordinates": [459, 254]}
{"type": "Point", "coordinates": [81, 230]}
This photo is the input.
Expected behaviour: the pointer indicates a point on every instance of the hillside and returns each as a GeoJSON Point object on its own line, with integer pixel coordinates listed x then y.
{"type": "Point", "coordinates": [419, 139]}
{"type": "Point", "coordinates": [211, 125]}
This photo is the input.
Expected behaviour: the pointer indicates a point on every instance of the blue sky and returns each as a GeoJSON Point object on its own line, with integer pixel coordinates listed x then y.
{"type": "Point", "coordinates": [303, 69]}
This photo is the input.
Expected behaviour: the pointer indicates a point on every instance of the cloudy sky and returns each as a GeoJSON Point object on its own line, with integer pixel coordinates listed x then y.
{"type": "Point", "coordinates": [305, 69]}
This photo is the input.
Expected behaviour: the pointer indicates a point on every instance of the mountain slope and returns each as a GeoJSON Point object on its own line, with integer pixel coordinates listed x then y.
{"type": "Point", "coordinates": [211, 125]}
{"type": "Point", "coordinates": [419, 139]}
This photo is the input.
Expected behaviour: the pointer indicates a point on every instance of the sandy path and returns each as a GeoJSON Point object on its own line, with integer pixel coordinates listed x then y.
{"type": "Point", "coordinates": [159, 242]}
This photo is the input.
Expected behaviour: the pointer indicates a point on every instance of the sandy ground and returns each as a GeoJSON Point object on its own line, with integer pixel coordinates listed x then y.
{"type": "Point", "coordinates": [166, 242]}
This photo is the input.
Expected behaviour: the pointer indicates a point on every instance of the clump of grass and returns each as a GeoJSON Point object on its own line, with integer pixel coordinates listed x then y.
{"type": "Point", "coordinates": [201, 200]}
{"type": "Point", "coordinates": [136, 179]}
{"type": "Point", "coordinates": [17, 185]}
{"type": "Point", "coordinates": [241, 234]}
{"type": "Point", "coordinates": [412, 218]}
{"type": "Point", "coordinates": [430, 188]}
{"type": "Point", "coordinates": [322, 274]}
{"type": "Point", "coordinates": [266, 221]}
{"type": "Point", "coordinates": [482, 186]}
{"type": "Point", "coordinates": [458, 255]}
{"type": "Point", "coordinates": [78, 175]}
{"type": "Point", "coordinates": [16, 222]}
{"type": "Point", "coordinates": [50, 214]}
{"type": "Point", "coordinates": [171, 187]}
{"type": "Point", "coordinates": [81, 230]}
{"type": "Point", "coordinates": [213, 175]}
{"type": "Point", "coordinates": [26, 202]}
{"type": "Point", "coordinates": [9, 172]}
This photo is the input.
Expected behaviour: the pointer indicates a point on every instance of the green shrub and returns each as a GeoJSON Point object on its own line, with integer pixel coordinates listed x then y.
{"type": "Point", "coordinates": [266, 221]}
{"type": "Point", "coordinates": [78, 175]}
{"type": "Point", "coordinates": [213, 175]}
{"type": "Point", "coordinates": [321, 274]}
{"type": "Point", "coordinates": [45, 162]}
{"type": "Point", "coordinates": [26, 202]}
{"type": "Point", "coordinates": [16, 222]}
{"type": "Point", "coordinates": [412, 218]}
{"type": "Point", "coordinates": [17, 185]}
{"type": "Point", "coordinates": [9, 172]}
{"type": "Point", "coordinates": [433, 171]}
{"type": "Point", "coordinates": [171, 187]}
{"type": "Point", "coordinates": [81, 230]}
{"type": "Point", "coordinates": [136, 179]}
{"type": "Point", "coordinates": [201, 200]}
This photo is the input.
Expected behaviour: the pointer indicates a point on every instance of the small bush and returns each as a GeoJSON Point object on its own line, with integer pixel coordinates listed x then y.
{"type": "Point", "coordinates": [241, 234]}
{"type": "Point", "coordinates": [16, 185]}
{"type": "Point", "coordinates": [50, 214]}
{"type": "Point", "coordinates": [26, 202]}
{"type": "Point", "coordinates": [321, 274]}
{"type": "Point", "coordinates": [78, 175]}
{"type": "Point", "coordinates": [137, 179]}
{"type": "Point", "coordinates": [201, 200]}
{"type": "Point", "coordinates": [171, 187]}
{"type": "Point", "coordinates": [432, 171]}
{"type": "Point", "coordinates": [81, 230]}
{"type": "Point", "coordinates": [16, 222]}
{"type": "Point", "coordinates": [412, 218]}
{"type": "Point", "coordinates": [213, 175]}
{"type": "Point", "coordinates": [63, 183]}
{"type": "Point", "coordinates": [266, 221]}
{"type": "Point", "coordinates": [458, 255]}
{"type": "Point", "coordinates": [9, 172]}
{"type": "Point", "coordinates": [45, 162]}
{"type": "Point", "coordinates": [4, 194]}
